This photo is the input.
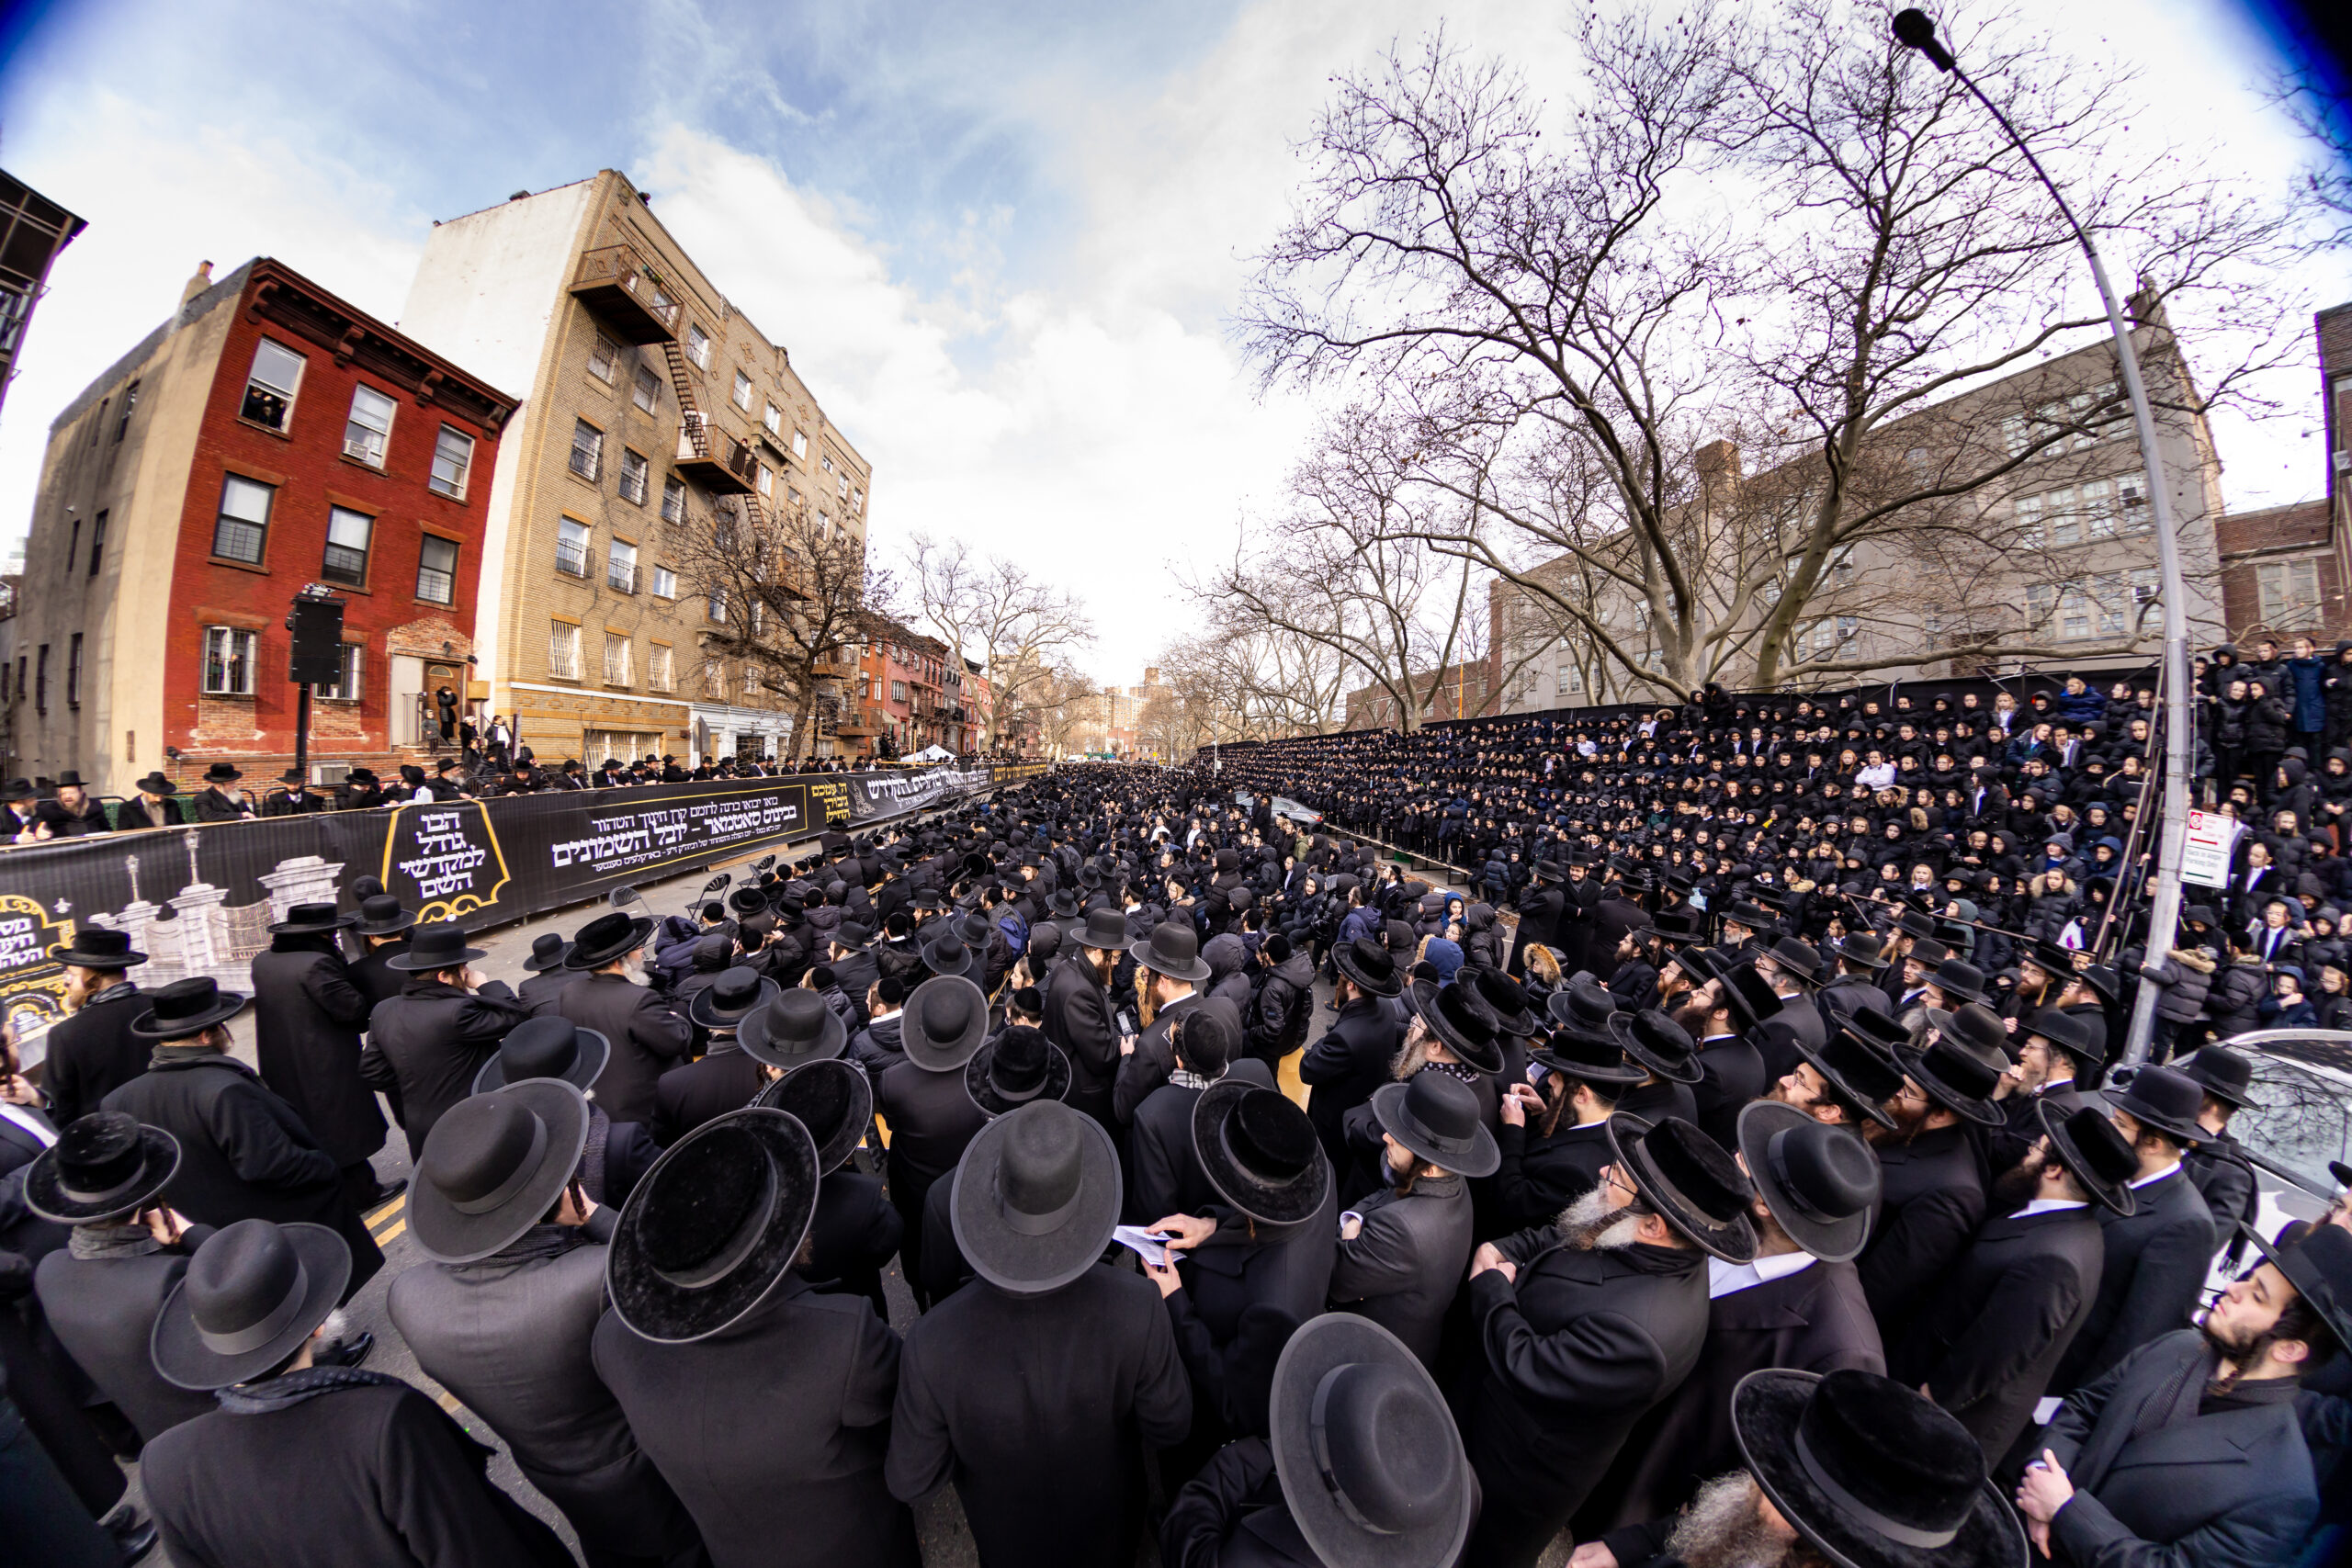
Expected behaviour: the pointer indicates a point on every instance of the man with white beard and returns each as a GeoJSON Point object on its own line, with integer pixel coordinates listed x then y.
{"type": "Point", "coordinates": [1584, 1324]}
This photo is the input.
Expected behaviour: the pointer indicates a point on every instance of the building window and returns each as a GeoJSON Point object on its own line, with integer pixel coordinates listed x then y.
{"type": "Point", "coordinates": [563, 650]}
{"type": "Point", "coordinates": [572, 548]}
{"type": "Point", "coordinates": [714, 683]}
{"type": "Point", "coordinates": [436, 570]}
{"type": "Point", "coordinates": [742, 391]}
{"type": "Point", "coordinates": [615, 660]}
{"type": "Point", "coordinates": [269, 390]}
{"type": "Point", "coordinates": [826, 462]}
{"type": "Point", "coordinates": [97, 542]}
{"type": "Point", "coordinates": [766, 480]}
{"type": "Point", "coordinates": [674, 500]}
{"type": "Point", "coordinates": [2290, 591]}
{"type": "Point", "coordinates": [841, 487]}
{"type": "Point", "coordinates": [130, 401]}
{"type": "Point", "coordinates": [665, 582]}
{"type": "Point", "coordinates": [587, 450]}
{"type": "Point", "coordinates": [698, 346]}
{"type": "Point", "coordinates": [897, 691]}
{"type": "Point", "coordinates": [369, 433]}
{"type": "Point", "coordinates": [346, 557]}
{"type": "Point", "coordinates": [40, 679]}
{"type": "Point", "coordinates": [243, 529]}
{"type": "Point", "coordinates": [717, 606]}
{"type": "Point", "coordinates": [453, 457]}
{"type": "Point", "coordinates": [228, 657]}
{"type": "Point", "coordinates": [603, 358]}
{"type": "Point", "coordinates": [73, 545]}
{"type": "Point", "coordinates": [661, 669]}
{"type": "Point", "coordinates": [1570, 681]}
{"type": "Point", "coordinates": [824, 525]}
{"type": "Point", "coordinates": [772, 418]}
{"type": "Point", "coordinates": [73, 671]}
{"type": "Point", "coordinates": [858, 499]}
{"type": "Point", "coordinates": [345, 686]}
{"type": "Point", "coordinates": [636, 475]}
{"type": "Point", "coordinates": [620, 567]}
{"type": "Point", "coordinates": [647, 393]}
{"type": "Point", "coordinates": [799, 445]}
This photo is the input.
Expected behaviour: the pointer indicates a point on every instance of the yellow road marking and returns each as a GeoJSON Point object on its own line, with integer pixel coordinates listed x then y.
{"type": "Point", "coordinates": [387, 1211]}
{"type": "Point", "coordinates": [386, 1238]}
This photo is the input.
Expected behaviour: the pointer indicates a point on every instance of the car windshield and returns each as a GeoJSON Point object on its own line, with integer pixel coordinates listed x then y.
{"type": "Point", "coordinates": [2300, 1117]}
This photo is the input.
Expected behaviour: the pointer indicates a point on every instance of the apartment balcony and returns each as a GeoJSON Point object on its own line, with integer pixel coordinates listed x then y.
{"type": "Point", "coordinates": [831, 669]}
{"type": "Point", "coordinates": [860, 724]}
{"type": "Point", "coordinates": [719, 463]}
{"type": "Point", "coordinates": [572, 559]}
{"type": "Point", "coordinates": [615, 282]}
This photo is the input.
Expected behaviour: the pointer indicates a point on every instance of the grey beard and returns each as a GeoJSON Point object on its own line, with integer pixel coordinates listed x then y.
{"type": "Point", "coordinates": [1723, 1529]}
{"type": "Point", "coordinates": [1589, 1225]}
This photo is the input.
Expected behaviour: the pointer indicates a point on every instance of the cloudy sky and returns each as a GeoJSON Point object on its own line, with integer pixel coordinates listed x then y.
{"type": "Point", "coordinates": [1002, 240]}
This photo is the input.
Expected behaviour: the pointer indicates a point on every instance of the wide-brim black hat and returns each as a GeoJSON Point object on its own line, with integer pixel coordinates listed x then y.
{"type": "Point", "coordinates": [1382, 979]}
{"type": "Point", "coordinates": [1731, 1238]}
{"type": "Point", "coordinates": [1347, 1389]}
{"type": "Point", "coordinates": [589, 1051]}
{"type": "Point", "coordinates": [2224, 1074]}
{"type": "Point", "coordinates": [1105, 931]}
{"type": "Point", "coordinates": [995, 1099]}
{"type": "Point", "coordinates": [150, 1025]}
{"type": "Point", "coordinates": [947, 955]}
{"type": "Point", "coordinates": [1466, 1036]}
{"type": "Point", "coordinates": [945, 1020]}
{"type": "Point", "coordinates": [399, 920]}
{"type": "Point", "coordinates": [832, 1096]}
{"type": "Point", "coordinates": [2128, 1090]}
{"type": "Point", "coordinates": [453, 1224]}
{"type": "Point", "coordinates": [538, 963]}
{"type": "Point", "coordinates": [1224, 1151]}
{"type": "Point", "coordinates": [1766, 1409]}
{"type": "Point", "coordinates": [75, 953]}
{"type": "Point", "coordinates": [1764, 1128]}
{"type": "Point", "coordinates": [1475, 1156]}
{"type": "Point", "coordinates": [2110, 1189]}
{"type": "Point", "coordinates": [1590, 1058]}
{"type": "Point", "coordinates": [1643, 1037]}
{"type": "Point", "coordinates": [435, 948]}
{"type": "Point", "coordinates": [607, 938]}
{"type": "Point", "coordinates": [318, 925]}
{"type": "Point", "coordinates": [2309, 1275]}
{"type": "Point", "coordinates": [710, 1229]}
{"type": "Point", "coordinates": [1931, 1068]}
{"type": "Point", "coordinates": [1030, 1251]}
{"type": "Point", "coordinates": [135, 1175]}
{"type": "Point", "coordinates": [709, 1012]}
{"type": "Point", "coordinates": [789, 1031]}
{"type": "Point", "coordinates": [193, 1358]}
{"type": "Point", "coordinates": [1168, 956]}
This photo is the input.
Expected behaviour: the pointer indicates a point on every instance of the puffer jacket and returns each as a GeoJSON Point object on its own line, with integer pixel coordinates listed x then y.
{"type": "Point", "coordinates": [2307, 688]}
{"type": "Point", "coordinates": [2267, 722]}
{"type": "Point", "coordinates": [1482, 943]}
{"type": "Point", "coordinates": [2237, 996]}
{"type": "Point", "coordinates": [2186, 976]}
{"type": "Point", "coordinates": [2081, 707]}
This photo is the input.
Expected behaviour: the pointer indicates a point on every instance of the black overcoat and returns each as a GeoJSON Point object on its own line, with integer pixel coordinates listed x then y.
{"type": "Point", "coordinates": [430, 1042]}
{"type": "Point", "coordinates": [1733, 1075]}
{"type": "Point", "coordinates": [1288, 1267]}
{"type": "Point", "coordinates": [773, 1431]}
{"type": "Point", "coordinates": [1403, 1268]}
{"type": "Point", "coordinates": [1540, 1176]}
{"type": "Point", "coordinates": [307, 1021]}
{"type": "Point", "coordinates": [2157, 1259]}
{"type": "Point", "coordinates": [1992, 1332]}
{"type": "Point", "coordinates": [853, 1236]}
{"type": "Point", "coordinates": [1345, 1066]}
{"type": "Point", "coordinates": [1931, 1200]}
{"type": "Point", "coordinates": [92, 1052]}
{"type": "Point", "coordinates": [103, 1311]}
{"type": "Point", "coordinates": [1039, 1408]}
{"type": "Point", "coordinates": [931, 1118]}
{"type": "Point", "coordinates": [647, 1034]}
{"type": "Point", "coordinates": [373, 973]}
{"type": "Point", "coordinates": [540, 992]}
{"type": "Point", "coordinates": [1164, 1177]}
{"type": "Point", "coordinates": [687, 1096]}
{"type": "Point", "coordinates": [1571, 1353]}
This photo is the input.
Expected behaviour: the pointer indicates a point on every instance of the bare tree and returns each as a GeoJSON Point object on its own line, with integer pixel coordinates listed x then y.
{"type": "Point", "coordinates": [994, 610]}
{"type": "Point", "coordinates": [789, 599]}
{"type": "Point", "coordinates": [1056, 705]}
{"type": "Point", "coordinates": [2316, 102]}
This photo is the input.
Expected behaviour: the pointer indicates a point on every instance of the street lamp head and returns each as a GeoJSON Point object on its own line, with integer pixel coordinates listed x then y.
{"type": "Point", "coordinates": [1914, 31]}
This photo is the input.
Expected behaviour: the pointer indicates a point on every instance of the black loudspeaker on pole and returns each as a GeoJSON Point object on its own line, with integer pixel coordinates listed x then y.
{"type": "Point", "coordinates": [316, 660]}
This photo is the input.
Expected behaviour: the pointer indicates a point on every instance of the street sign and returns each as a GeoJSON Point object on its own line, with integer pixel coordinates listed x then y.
{"type": "Point", "coordinates": [2205, 858]}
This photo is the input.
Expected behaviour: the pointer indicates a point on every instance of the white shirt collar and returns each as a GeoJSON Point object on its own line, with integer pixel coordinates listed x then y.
{"type": "Point", "coordinates": [2159, 1175]}
{"type": "Point", "coordinates": [1724, 1279]}
{"type": "Point", "coordinates": [1597, 1122]}
{"type": "Point", "coordinates": [31, 1120]}
{"type": "Point", "coordinates": [2047, 1206]}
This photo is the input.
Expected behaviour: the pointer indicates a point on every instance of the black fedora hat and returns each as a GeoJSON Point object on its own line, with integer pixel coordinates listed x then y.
{"type": "Point", "coordinates": [1105, 931]}
{"type": "Point", "coordinates": [2163, 1097]}
{"type": "Point", "coordinates": [1821, 1182]}
{"type": "Point", "coordinates": [2320, 1267]}
{"type": "Point", "coordinates": [1370, 1461]}
{"type": "Point", "coordinates": [1866, 948]}
{"type": "Point", "coordinates": [435, 946]}
{"type": "Point", "coordinates": [548, 1046]}
{"type": "Point", "coordinates": [2224, 1074]}
{"type": "Point", "coordinates": [2101, 981]}
{"type": "Point", "coordinates": [724, 1003]}
{"type": "Point", "coordinates": [1864, 1073]}
{"type": "Point", "coordinates": [1651, 1038]}
{"type": "Point", "coordinates": [549, 950]}
{"type": "Point", "coordinates": [103, 1164]}
{"type": "Point", "coordinates": [156, 783]}
{"type": "Point", "coordinates": [1746, 994]}
{"type": "Point", "coordinates": [1172, 950]}
{"type": "Point", "coordinates": [607, 938]}
{"type": "Point", "coordinates": [1959, 980]}
{"type": "Point", "coordinates": [1800, 960]}
{"type": "Point", "coordinates": [1959, 1075]}
{"type": "Point", "coordinates": [1259, 1151]}
{"type": "Point", "coordinates": [2088, 1145]}
{"type": "Point", "coordinates": [746, 901]}
{"type": "Point", "coordinates": [187, 1008]}
{"type": "Point", "coordinates": [251, 1295]}
{"type": "Point", "coordinates": [493, 1166]}
{"type": "Point", "coordinates": [222, 773]}
{"type": "Point", "coordinates": [98, 947]}
{"type": "Point", "coordinates": [1436, 1116]}
{"type": "Point", "coordinates": [2065, 1031]}
{"type": "Point", "coordinates": [1016, 1067]}
{"type": "Point", "coordinates": [1370, 965]}
{"type": "Point", "coordinates": [310, 919]}
{"type": "Point", "coordinates": [713, 1225]}
{"type": "Point", "coordinates": [1679, 927]}
{"type": "Point", "coordinates": [945, 953]}
{"type": "Point", "coordinates": [1504, 997]}
{"type": "Point", "coordinates": [1589, 1058]}
{"type": "Point", "coordinates": [380, 915]}
{"type": "Point", "coordinates": [1035, 1197]}
{"type": "Point", "coordinates": [944, 1022]}
{"type": "Point", "coordinates": [833, 1099]}
{"type": "Point", "coordinates": [795, 1027]}
{"type": "Point", "coordinates": [1687, 1180]}
{"type": "Point", "coordinates": [851, 937]}
{"type": "Point", "coordinates": [1064, 903]}
{"type": "Point", "coordinates": [1871, 1473]}
{"type": "Point", "coordinates": [1460, 1022]}
{"type": "Point", "coordinates": [1583, 1008]}
{"type": "Point", "coordinates": [1754, 918]}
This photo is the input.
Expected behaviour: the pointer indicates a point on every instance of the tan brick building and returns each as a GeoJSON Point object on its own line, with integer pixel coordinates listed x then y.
{"type": "Point", "coordinates": [655, 412]}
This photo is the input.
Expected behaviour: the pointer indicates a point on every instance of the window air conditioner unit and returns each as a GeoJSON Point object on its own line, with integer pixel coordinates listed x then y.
{"type": "Point", "coordinates": [329, 774]}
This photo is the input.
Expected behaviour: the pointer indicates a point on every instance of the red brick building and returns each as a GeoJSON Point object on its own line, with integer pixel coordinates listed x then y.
{"type": "Point", "coordinates": [267, 438]}
{"type": "Point", "coordinates": [2286, 571]}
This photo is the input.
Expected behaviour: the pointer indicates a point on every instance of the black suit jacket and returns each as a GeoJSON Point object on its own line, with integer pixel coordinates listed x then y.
{"type": "Point", "coordinates": [1931, 1200]}
{"type": "Point", "coordinates": [1734, 1075]}
{"type": "Point", "coordinates": [684, 1097]}
{"type": "Point", "coordinates": [1077, 1019]}
{"type": "Point", "coordinates": [648, 1033]}
{"type": "Point", "coordinates": [1344, 1066]}
{"type": "Point", "coordinates": [93, 1052]}
{"type": "Point", "coordinates": [103, 1311]}
{"type": "Point", "coordinates": [2006, 1145]}
{"type": "Point", "coordinates": [430, 1042]}
{"type": "Point", "coordinates": [2156, 1258]}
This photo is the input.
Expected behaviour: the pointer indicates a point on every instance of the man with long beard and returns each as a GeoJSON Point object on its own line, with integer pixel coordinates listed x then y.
{"type": "Point", "coordinates": [2188, 1450]}
{"type": "Point", "coordinates": [1932, 1176]}
{"type": "Point", "coordinates": [1584, 1323]}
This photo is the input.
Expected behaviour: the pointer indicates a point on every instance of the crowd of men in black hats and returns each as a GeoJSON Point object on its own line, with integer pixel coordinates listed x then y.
{"type": "Point", "coordinates": [1706, 1211]}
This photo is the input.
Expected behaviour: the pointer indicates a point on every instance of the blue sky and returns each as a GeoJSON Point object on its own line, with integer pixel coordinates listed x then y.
{"type": "Point", "coordinates": [1002, 241]}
